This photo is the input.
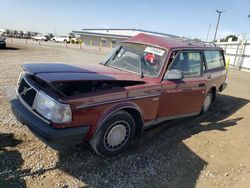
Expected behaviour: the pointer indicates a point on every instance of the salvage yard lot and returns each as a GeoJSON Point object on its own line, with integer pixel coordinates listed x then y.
{"type": "Point", "coordinates": [211, 150]}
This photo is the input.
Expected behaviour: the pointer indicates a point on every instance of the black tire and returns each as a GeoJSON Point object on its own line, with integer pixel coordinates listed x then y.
{"type": "Point", "coordinates": [119, 120]}
{"type": "Point", "coordinates": [3, 46]}
{"type": "Point", "coordinates": [65, 41]}
{"type": "Point", "coordinates": [206, 107]}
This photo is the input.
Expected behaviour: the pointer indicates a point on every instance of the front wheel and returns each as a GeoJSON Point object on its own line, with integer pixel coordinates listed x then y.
{"type": "Point", "coordinates": [114, 135]}
{"type": "Point", "coordinates": [207, 102]}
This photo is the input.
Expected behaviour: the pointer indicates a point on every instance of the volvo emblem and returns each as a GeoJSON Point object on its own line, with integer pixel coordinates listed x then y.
{"type": "Point", "coordinates": [25, 90]}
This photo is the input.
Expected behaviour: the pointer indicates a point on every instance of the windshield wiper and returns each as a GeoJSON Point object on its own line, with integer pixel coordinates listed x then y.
{"type": "Point", "coordinates": [141, 69]}
{"type": "Point", "coordinates": [116, 50]}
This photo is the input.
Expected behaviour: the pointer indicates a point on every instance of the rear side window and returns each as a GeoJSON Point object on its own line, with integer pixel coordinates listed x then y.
{"type": "Point", "coordinates": [189, 63]}
{"type": "Point", "coordinates": [214, 59]}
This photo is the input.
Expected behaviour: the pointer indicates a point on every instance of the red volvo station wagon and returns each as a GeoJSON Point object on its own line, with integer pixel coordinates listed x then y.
{"type": "Point", "coordinates": [146, 80]}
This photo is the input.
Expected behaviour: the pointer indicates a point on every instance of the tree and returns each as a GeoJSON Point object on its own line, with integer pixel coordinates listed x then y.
{"type": "Point", "coordinates": [234, 38]}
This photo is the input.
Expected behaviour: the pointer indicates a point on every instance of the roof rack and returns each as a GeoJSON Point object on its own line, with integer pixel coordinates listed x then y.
{"type": "Point", "coordinates": [199, 42]}
{"type": "Point", "coordinates": [190, 41]}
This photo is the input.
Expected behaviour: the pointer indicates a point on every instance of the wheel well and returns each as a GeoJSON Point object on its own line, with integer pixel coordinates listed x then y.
{"type": "Point", "coordinates": [213, 89]}
{"type": "Point", "coordinates": [137, 118]}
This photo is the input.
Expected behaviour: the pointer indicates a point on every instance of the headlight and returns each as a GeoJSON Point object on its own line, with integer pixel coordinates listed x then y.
{"type": "Point", "coordinates": [22, 74]}
{"type": "Point", "coordinates": [51, 109]}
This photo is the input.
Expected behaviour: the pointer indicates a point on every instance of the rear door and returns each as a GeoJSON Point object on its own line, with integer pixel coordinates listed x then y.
{"type": "Point", "coordinates": [215, 71]}
{"type": "Point", "coordinates": [183, 97]}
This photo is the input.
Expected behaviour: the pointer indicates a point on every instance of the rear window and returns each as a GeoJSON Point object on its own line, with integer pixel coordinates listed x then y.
{"type": "Point", "coordinates": [214, 59]}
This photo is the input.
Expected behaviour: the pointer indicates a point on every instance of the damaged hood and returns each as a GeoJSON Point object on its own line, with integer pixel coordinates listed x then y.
{"type": "Point", "coordinates": [57, 72]}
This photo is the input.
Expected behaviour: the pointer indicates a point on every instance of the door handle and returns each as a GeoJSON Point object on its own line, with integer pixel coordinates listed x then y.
{"type": "Point", "coordinates": [201, 84]}
{"type": "Point", "coordinates": [209, 76]}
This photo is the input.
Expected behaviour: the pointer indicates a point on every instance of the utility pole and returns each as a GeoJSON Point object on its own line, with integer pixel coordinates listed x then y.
{"type": "Point", "coordinates": [218, 21]}
{"type": "Point", "coordinates": [208, 32]}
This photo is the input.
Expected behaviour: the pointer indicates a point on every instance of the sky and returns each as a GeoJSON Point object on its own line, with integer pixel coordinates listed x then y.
{"type": "Point", "coordinates": [190, 18]}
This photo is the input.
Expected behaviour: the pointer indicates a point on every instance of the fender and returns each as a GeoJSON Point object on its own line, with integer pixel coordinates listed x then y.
{"type": "Point", "coordinates": [109, 112]}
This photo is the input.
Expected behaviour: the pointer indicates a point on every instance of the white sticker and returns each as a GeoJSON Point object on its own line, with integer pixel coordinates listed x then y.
{"type": "Point", "coordinates": [153, 50]}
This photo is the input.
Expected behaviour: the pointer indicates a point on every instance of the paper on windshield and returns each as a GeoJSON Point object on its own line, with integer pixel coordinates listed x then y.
{"type": "Point", "coordinates": [153, 50]}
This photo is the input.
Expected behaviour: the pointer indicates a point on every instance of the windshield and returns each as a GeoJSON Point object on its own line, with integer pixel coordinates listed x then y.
{"type": "Point", "coordinates": [138, 58]}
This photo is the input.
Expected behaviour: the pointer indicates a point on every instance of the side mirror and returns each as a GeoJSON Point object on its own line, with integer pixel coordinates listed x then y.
{"type": "Point", "coordinates": [4, 38]}
{"type": "Point", "coordinates": [174, 75]}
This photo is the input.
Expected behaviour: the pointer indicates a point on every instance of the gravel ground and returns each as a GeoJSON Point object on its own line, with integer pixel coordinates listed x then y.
{"type": "Point", "coordinates": [210, 150]}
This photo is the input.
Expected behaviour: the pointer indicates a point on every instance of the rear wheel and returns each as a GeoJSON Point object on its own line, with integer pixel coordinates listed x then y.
{"type": "Point", "coordinates": [207, 102]}
{"type": "Point", "coordinates": [114, 134]}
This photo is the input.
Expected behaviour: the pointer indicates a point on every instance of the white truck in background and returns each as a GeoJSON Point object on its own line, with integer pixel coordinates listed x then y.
{"type": "Point", "coordinates": [61, 38]}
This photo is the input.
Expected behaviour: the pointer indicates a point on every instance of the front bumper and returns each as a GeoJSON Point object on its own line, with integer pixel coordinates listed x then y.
{"type": "Point", "coordinates": [55, 138]}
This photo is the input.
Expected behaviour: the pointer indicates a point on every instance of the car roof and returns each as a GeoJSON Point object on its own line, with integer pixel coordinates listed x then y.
{"type": "Point", "coordinates": [168, 43]}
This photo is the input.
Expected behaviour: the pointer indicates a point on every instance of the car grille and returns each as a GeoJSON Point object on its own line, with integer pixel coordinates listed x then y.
{"type": "Point", "coordinates": [27, 92]}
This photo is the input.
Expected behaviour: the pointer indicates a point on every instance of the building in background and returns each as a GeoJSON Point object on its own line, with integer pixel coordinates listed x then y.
{"type": "Point", "coordinates": [111, 37]}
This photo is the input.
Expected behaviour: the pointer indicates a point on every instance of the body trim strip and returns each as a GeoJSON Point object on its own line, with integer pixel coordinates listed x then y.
{"type": "Point", "coordinates": [117, 100]}
{"type": "Point", "coordinates": [161, 119]}
{"type": "Point", "coordinates": [152, 123]}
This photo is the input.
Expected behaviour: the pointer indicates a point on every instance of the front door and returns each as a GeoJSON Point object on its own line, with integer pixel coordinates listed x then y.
{"type": "Point", "coordinates": [181, 98]}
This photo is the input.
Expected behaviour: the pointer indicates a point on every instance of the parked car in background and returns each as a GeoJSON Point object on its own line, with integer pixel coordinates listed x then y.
{"type": "Point", "coordinates": [40, 37]}
{"type": "Point", "coordinates": [62, 38]}
{"type": "Point", "coordinates": [146, 80]}
{"type": "Point", "coordinates": [2, 43]}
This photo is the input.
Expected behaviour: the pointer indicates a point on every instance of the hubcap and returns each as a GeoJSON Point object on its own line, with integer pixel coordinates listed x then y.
{"type": "Point", "coordinates": [117, 135]}
{"type": "Point", "coordinates": [207, 102]}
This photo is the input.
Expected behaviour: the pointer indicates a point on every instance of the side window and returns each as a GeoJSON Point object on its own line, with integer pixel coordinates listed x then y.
{"type": "Point", "coordinates": [214, 59]}
{"type": "Point", "coordinates": [188, 62]}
